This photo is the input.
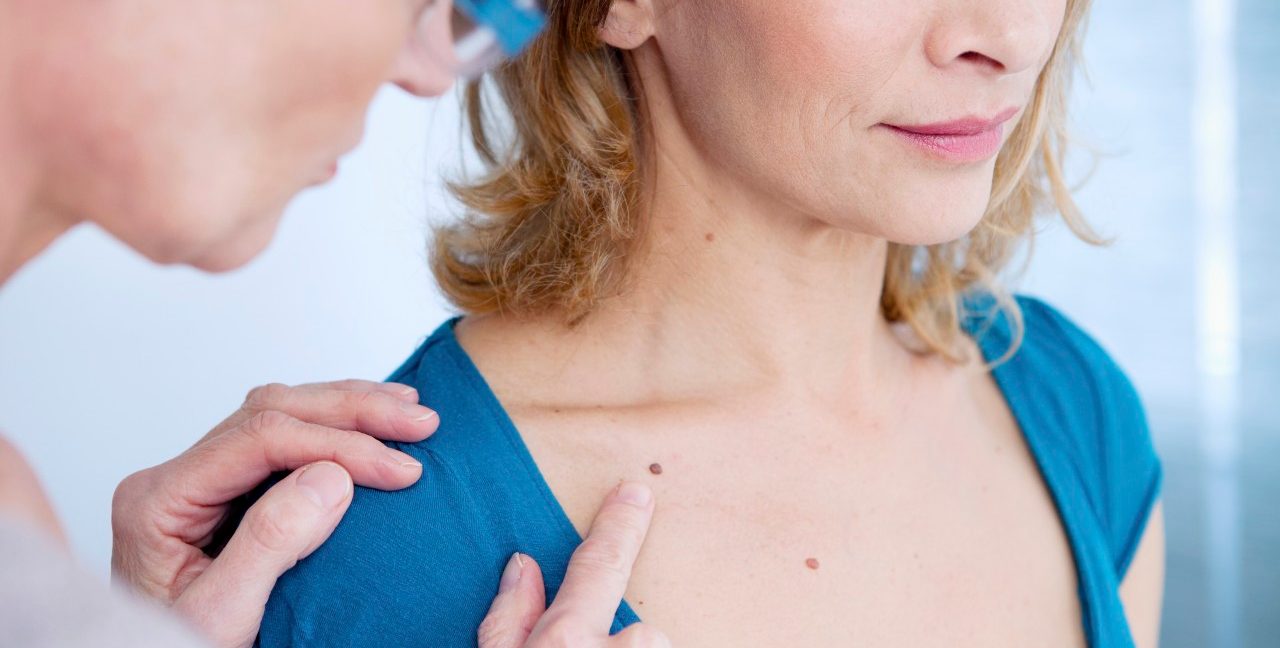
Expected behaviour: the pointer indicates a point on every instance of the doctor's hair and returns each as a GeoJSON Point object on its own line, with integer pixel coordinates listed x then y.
{"type": "Point", "coordinates": [554, 219]}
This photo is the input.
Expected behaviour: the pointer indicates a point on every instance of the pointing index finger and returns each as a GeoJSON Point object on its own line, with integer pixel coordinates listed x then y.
{"type": "Point", "coordinates": [600, 569]}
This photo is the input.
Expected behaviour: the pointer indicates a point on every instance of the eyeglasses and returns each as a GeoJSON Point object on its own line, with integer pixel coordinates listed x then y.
{"type": "Point", "coordinates": [487, 32]}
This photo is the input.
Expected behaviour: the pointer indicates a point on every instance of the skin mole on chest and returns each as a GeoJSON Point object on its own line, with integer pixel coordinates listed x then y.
{"type": "Point", "coordinates": [811, 563]}
{"type": "Point", "coordinates": [655, 468]}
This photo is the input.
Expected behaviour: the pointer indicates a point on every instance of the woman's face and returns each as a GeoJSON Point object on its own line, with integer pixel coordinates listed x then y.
{"type": "Point", "coordinates": [880, 117]}
{"type": "Point", "coordinates": [184, 128]}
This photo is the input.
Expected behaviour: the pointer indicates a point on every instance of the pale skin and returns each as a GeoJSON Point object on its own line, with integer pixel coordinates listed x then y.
{"type": "Point", "coordinates": [750, 360]}
{"type": "Point", "coordinates": [183, 129]}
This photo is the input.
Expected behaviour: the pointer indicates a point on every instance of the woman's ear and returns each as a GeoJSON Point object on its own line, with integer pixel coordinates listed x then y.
{"type": "Point", "coordinates": [629, 24]}
{"type": "Point", "coordinates": [425, 66]}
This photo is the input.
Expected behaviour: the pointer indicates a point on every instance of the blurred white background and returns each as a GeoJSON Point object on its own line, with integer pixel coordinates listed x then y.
{"type": "Point", "coordinates": [108, 364]}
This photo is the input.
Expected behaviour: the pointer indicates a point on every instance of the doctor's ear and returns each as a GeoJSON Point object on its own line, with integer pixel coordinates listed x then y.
{"type": "Point", "coordinates": [629, 24]}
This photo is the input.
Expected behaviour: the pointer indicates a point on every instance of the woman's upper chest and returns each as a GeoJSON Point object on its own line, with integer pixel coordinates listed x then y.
{"type": "Point", "coordinates": [788, 528]}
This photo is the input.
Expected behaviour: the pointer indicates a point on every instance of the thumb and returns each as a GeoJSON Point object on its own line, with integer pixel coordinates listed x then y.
{"type": "Point", "coordinates": [518, 606]}
{"type": "Point", "coordinates": [293, 518]}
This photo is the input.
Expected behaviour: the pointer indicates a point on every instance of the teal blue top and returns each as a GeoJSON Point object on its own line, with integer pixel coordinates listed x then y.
{"type": "Point", "coordinates": [421, 566]}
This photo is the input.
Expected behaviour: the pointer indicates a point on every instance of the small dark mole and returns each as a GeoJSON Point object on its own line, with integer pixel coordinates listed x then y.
{"type": "Point", "coordinates": [710, 237]}
{"type": "Point", "coordinates": [655, 468]}
{"type": "Point", "coordinates": [811, 563]}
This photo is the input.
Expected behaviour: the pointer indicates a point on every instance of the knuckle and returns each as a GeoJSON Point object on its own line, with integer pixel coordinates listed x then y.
{"type": "Point", "coordinates": [265, 396]}
{"type": "Point", "coordinates": [493, 631]}
{"type": "Point", "coordinates": [265, 423]}
{"type": "Point", "coordinates": [142, 504]}
{"type": "Point", "coordinates": [129, 485]}
{"type": "Point", "coordinates": [601, 560]}
{"type": "Point", "coordinates": [625, 521]}
{"type": "Point", "coordinates": [366, 399]}
{"type": "Point", "coordinates": [561, 630]}
{"type": "Point", "coordinates": [125, 498]}
{"type": "Point", "coordinates": [645, 636]}
{"type": "Point", "coordinates": [349, 384]}
{"type": "Point", "coordinates": [349, 443]}
{"type": "Point", "coordinates": [274, 527]}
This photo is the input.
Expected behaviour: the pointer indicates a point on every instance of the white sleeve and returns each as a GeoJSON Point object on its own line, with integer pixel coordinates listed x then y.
{"type": "Point", "coordinates": [47, 601]}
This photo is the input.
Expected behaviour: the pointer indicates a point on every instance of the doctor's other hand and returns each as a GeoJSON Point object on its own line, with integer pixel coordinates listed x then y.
{"type": "Point", "coordinates": [164, 517]}
{"type": "Point", "coordinates": [594, 585]}
{"type": "Point", "coordinates": [21, 496]}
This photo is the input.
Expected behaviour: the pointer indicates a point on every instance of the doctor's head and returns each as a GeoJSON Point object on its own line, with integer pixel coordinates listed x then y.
{"type": "Point", "coordinates": [185, 128]}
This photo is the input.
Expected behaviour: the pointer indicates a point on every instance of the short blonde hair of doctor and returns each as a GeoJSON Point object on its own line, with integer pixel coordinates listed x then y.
{"type": "Point", "coordinates": [552, 220]}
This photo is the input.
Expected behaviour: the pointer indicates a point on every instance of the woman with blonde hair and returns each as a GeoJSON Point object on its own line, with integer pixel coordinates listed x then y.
{"type": "Point", "coordinates": [749, 252]}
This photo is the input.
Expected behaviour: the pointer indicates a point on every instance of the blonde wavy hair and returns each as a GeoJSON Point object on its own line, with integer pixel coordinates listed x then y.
{"type": "Point", "coordinates": [555, 217]}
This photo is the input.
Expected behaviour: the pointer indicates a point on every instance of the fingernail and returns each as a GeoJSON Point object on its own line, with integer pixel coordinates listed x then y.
{"type": "Point", "coordinates": [417, 412]}
{"type": "Point", "coordinates": [404, 391]}
{"type": "Point", "coordinates": [511, 574]}
{"type": "Point", "coordinates": [635, 493]}
{"type": "Point", "coordinates": [325, 484]}
{"type": "Point", "coordinates": [404, 460]}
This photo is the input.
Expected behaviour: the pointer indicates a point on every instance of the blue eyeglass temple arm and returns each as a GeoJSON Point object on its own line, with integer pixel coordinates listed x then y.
{"type": "Point", "coordinates": [515, 22]}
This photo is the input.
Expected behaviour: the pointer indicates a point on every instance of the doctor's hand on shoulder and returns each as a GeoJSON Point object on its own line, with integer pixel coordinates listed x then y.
{"type": "Point", "coordinates": [165, 517]}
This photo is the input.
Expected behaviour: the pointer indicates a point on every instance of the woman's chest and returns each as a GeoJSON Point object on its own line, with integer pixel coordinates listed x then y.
{"type": "Point", "coordinates": [805, 534]}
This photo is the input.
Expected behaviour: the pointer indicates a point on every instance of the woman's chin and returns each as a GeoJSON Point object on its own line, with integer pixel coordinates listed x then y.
{"type": "Point", "coordinates": [925, 231]}
{"type": "Point", "coordinates": [944, 218]}
{"type": "Point", "coordinates": [236, 251]}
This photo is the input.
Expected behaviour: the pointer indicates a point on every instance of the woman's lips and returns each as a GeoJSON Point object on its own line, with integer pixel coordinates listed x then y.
{"type": "Point", "coordinates": [961, 141]}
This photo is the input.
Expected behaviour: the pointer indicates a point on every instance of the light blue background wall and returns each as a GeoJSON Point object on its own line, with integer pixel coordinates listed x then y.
{"type": "Point", "coordinates": [108, 364]}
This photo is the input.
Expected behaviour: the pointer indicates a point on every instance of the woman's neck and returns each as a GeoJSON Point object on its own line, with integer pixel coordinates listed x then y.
{"type": "Point", "coordinates": [732, 284]}
{"type": "Point", "coordinates": [728, 295]}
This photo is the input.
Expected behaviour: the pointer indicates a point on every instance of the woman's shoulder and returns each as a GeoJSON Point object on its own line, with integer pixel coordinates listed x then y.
{"type": "Point", "coordinates": [410, 567]}
{"type": "Point", "coordinates": [1052, 355]}
{"type": "Point", "coordinates": [1076, 364]}
{"type": "Point", "coordinates": [405, 568]}
{"type": "Point", "coordinates": [1073, 399]}
{"type": "Point", "coordinates": [1054, 360]}
{"type": "Point", "coordinates": [421, 565]}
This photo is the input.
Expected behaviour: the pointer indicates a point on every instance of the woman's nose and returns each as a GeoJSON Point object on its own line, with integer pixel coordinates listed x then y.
{"type": "Point", "coordinates": [996, 36]}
